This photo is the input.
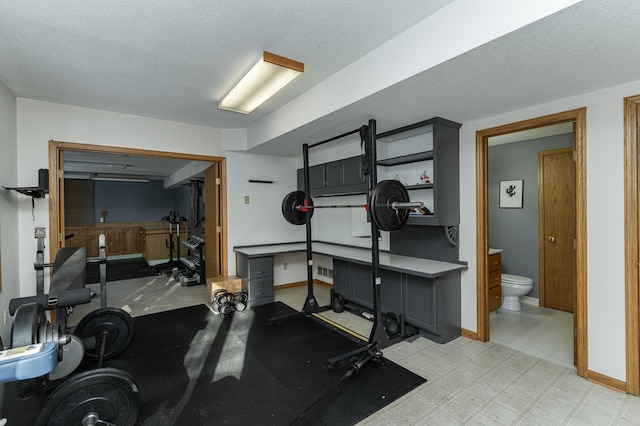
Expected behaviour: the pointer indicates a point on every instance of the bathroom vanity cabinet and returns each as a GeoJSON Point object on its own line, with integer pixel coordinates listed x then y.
{"type": "Point", "coordinates": [494, 280]}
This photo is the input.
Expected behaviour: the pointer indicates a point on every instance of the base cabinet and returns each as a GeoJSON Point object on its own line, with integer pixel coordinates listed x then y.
{"type": "Point", "coordinates": [257, 278]}
{"type": "Point", "coordinates": [494, 281]}
{"type": "Point", "coordinates": [430, 304]}
{"type": "Point", "coordinates": [118, 240]}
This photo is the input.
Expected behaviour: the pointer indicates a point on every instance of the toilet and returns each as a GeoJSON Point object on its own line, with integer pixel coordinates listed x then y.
{"type": "Point", "coordinates": [514, 286]}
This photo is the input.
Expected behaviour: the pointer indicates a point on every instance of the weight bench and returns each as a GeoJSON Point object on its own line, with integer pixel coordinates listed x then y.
{"type": "Point", "coordinates": [41, 351]}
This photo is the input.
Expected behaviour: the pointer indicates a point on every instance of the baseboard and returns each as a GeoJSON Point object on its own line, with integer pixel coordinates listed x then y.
{"type": "Point", "coordinates": [300, 284]}
{"type": "Point", "coordinates": [606, 381]}
{"type": "Point", "coordinates": [530, 300]}
{"type": "Point", "coordinates": [469, 334]}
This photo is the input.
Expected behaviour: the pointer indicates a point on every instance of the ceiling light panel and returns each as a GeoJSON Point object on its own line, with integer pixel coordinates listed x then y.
{"type": "Point", "coordinates": [268, 76]}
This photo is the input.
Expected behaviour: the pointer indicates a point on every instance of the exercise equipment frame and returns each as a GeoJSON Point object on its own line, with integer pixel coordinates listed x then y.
{"type": "Point", "coordinates": [378, 337]}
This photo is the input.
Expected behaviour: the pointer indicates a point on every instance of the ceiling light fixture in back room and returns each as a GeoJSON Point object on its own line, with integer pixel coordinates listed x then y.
{"type": "Point", "coordinates": [270, 74]}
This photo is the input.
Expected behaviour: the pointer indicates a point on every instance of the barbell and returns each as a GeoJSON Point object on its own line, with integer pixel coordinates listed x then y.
{"type": "Point", "coordinates": [389, 206]}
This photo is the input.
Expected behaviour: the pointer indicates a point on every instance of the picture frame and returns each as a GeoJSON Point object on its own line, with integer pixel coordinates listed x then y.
{"type": "Point", "coordinates": [511, 194]}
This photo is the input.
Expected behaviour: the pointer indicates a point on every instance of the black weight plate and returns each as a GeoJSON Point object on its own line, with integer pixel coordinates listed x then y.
{"type": "Point", "coordinates": [28, 321]}
{"type": "Point", "coordinates": [384, 194]}
{"type": "Point", "coordinates": [290, 205]}
{"type": "Point", "coordinates": [118, 326]}
{"type": "Point", "coordinates": [109, 393]}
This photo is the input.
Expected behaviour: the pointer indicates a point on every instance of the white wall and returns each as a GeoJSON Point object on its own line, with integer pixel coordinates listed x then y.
{"type": "Point", "coordinates": [38, 122]}
{"type": "Point", "coordinates": [605, 219]}
{"type": "Point", "coordinates": [8, 206]}
{"type": "Point", "coordinates": [260, 221]}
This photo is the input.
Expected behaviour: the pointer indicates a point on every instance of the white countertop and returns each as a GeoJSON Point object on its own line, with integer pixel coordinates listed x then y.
{"type": "Point", "coordinates": [414, 265]}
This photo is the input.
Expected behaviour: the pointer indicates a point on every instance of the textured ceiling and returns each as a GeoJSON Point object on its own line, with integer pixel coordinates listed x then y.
{"type": "Point", "coordinates": [174, 59]}
{"type": "Point", "coordinates": [586, 47]}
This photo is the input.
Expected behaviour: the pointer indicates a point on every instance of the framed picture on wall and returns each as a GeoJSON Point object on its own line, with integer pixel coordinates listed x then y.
{"type": "Point", "coordinates": [511, 194]}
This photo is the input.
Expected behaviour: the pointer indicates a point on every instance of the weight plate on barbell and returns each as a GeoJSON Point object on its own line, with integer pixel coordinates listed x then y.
{"type": "Point", "coordinates": [28, 321]}
{"type": "Point", "coordinates": [108, 395]}
{"type": "Point", "coordinates": [383, 195]}
{"type": "Point", "coordinates": [113, 324]}
{"type": "Point", "coordinates": [290, 207]}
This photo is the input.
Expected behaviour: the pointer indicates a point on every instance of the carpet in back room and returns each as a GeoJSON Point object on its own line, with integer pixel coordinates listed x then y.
{"type": "Point", "coordinates": [195, 367]}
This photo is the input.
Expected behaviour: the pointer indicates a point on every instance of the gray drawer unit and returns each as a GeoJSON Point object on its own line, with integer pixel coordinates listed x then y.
{"type": "Point", "coordinates": [260, 291]}
{"type": "Point", "coordinates": [257, 278]}
{"type": "Point", "coordinates": [260, 267]}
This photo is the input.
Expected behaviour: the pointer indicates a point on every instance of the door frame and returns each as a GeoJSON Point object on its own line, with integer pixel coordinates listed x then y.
{"type": "Point", "coordinates": [541, 227]}
{"type": "Point", "coordinates": [578, 116]}
{"type": "Point", "coordinates": [631, 241]}
{"type": "Point", "coordinates": [56, 191]}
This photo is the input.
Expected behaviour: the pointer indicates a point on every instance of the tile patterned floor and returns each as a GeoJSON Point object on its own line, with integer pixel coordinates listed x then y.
{"type": "Point", "coordinates": [542, 332]}
{"type": "Point", "coordinates": [468, 382]}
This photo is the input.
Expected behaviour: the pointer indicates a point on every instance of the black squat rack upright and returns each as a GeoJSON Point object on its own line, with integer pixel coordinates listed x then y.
{"type": "Point", "coordinates": [378, 337]}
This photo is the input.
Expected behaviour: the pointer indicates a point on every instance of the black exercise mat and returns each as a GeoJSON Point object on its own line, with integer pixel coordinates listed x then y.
{"type": "Point", "coordinates": [195, 367]}
{"type": "Point", "coordinates": [123, 269]}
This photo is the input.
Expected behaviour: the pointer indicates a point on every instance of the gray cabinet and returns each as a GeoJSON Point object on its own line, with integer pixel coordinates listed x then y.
{"type": "Point", "coordinates": [430, 304]}
{"type": "Point", "coordinates": [257, 278]}
{"type": "Point", "coordinates": [433, 305]}
{"type": "Point", "coordinates": [353, 282]}
{"type": "Point", "coordinates": [431, 146]}
{"type": "Point", "coordinates": [335, 178]}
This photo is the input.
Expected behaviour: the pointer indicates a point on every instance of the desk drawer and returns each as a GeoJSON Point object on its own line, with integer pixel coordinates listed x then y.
{"type": "Point", "coordinates": [260, 267]}
{"type": "Point", "coordinates": [260, 291]}
{"type": "Point", "coordinates": [495, 278]}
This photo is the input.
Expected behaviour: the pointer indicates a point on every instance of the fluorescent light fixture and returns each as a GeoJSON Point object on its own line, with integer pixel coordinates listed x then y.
{"type": "Point", "coordinates": [120, 179]}
{"type": "Point", "coordinates": [270, 74]}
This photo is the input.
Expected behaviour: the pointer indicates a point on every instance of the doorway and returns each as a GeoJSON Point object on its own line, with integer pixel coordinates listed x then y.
{"type": "Point", "coordinates": [557, 224]}
{"type": "Point", "coordinates": [632, 240]}
{"type": "Point", "coordinates": [577, 116]}
{"type": "Point", "coordinates": [214, 185]}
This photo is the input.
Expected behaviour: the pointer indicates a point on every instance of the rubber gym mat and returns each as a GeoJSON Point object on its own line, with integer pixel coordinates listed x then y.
{"type": "Point", "coordinates": [195, 367]}
{"type": "Point", "coordinates": [123, 269]}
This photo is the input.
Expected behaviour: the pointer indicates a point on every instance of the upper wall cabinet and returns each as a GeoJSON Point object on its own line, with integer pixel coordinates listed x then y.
{"type": "Point", "coordinates": [340, 177]}
{"type": "Point", "coordinates": [425, 158]}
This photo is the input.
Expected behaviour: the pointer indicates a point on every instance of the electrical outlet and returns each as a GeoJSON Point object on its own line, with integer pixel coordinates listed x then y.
{"type": "Point", "coordinates": [284, 265]}
{"type": "Point", "coordinates": [246, 199]}
{"type": "Point", "coordinates": [6, 316]}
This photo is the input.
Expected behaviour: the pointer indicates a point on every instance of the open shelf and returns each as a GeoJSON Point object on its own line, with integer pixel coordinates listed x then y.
{"type": "Point", "coordinates": [406, 159]}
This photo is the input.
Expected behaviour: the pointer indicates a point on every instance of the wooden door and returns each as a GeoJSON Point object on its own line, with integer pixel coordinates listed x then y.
{"type": "Point", "coordinates": [212, 224]}
{"type": "Point", "coordinates": [557, 214]}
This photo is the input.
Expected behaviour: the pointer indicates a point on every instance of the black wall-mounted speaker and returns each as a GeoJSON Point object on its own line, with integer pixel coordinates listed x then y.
{"type": "Point", "coordinates": [43, 179]}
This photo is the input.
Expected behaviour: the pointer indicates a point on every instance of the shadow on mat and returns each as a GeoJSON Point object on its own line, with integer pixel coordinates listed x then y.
{"type": "Point", "coordinates": [195, 367]}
